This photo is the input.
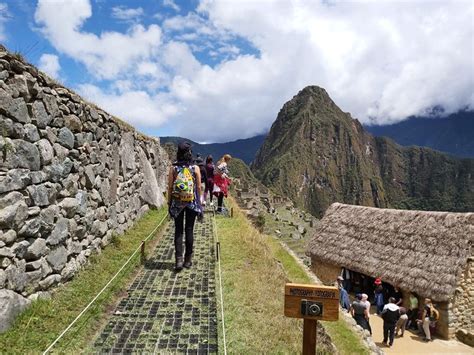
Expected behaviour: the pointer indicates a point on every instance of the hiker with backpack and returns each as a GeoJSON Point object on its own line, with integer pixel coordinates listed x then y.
{"type": "Point", "coordinates": [221, 181]}
{"type": "Point", "coordinates": [428, 318]}
{"type": "Point", "coordinates": [184, 191]}
{"type": "Point", "coordinates": [200, 163]}
{"type": "Point", "coordinates": [210, 178]}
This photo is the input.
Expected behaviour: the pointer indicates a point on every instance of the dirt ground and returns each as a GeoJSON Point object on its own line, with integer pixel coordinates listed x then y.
{"type": "Point", "coordinates": [412, 342]}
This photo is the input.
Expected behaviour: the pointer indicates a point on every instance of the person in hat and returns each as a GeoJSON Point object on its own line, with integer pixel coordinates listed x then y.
{"type": "Point", "coordinates": [184, 191]}
{"type": "Point", "coordinates": [344, 300]}
{"type": "Point", "coordinates": [378, 293]}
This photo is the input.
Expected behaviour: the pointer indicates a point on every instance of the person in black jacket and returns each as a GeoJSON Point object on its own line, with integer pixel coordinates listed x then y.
{"type": "Point", "coordinates": [390, 315]}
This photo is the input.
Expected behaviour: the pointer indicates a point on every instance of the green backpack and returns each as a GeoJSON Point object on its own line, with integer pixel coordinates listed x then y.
{"type": "Point", "coordinates": [183, 186]}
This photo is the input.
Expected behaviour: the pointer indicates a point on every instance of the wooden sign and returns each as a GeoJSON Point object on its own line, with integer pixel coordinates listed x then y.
{"type": "Point", "coordinates": [312, 302]}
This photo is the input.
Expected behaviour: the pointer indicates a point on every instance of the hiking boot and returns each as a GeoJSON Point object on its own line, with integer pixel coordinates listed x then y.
{"type": "Point", "coordinates": [187, 261]}
{"type": "Point", "coordinates": [179, 263]}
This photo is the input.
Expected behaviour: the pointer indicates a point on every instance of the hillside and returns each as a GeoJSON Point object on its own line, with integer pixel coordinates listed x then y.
{"type": "Point", "coordinates": [452, 134]}
{"type": "Point", "coordinates": [244, 149]}
{"type": "Point", "coordinates": [317, 154]}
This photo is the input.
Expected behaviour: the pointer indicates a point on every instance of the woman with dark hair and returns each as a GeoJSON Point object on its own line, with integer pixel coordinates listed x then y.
{"type": "Point", "coordinates": [184, 191]}
{"type": "Point", "coordinates": [210, 178]}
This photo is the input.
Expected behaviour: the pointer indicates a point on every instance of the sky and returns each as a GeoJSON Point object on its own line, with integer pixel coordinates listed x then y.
{"type": "Point", "coordinates": [215, 71]}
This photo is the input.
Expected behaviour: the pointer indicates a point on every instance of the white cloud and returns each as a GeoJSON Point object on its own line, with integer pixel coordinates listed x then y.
{"type": "Point", "coordinates": [4, 16]}
{"type": "Point", "coordinates": [386, 59]}
{"type": "Point", "coordinates": [382, 59]}
{"type": "Point", "coordinates": [171, 4]}
{"type": "Point", "coordinates": [127, 14]}
{"type": "Point", "coordinates": [49, 63]}
{"type": "Point", "coordinates": [106, 55]}
{"type": "Point", "coordinates": [136, 106]}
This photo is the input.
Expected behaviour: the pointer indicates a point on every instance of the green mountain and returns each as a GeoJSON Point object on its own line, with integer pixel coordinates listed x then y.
{"type": "Point", "coordinates": [453, 134]}
{"type": "Point", "coordinates": [244, 149]}
{"type": "Point", "coordinates": [316, 154]}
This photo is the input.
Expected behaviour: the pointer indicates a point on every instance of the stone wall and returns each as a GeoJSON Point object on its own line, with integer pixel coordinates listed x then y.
{"type": "Point", "coordinates": [71, 177]}
{"type": "Point", "coordinates": [461, 309]}
{"type": "Point", "coordinates": [327, 273]}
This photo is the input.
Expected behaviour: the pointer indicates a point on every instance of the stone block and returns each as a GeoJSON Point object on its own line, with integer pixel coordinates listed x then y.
{"type": "Point", "coordinates": [11, 305]}
{"type": "Point", "coordinates": [39, 115]}
{"type": "Point", "coordinates": [66, 138]}
{"type": "Point", "coordinates": [50, 281]}
{"type": "Point", "coordinates": [15, 109]}
{"type": "Point", "coordinates": [37, 249]}
{"type": "Point", "coordinates": [60, 232]}
{"type": "Point", "coordinates": [13, 216]}
{"type": "Point", "coordinates": [57, 258]}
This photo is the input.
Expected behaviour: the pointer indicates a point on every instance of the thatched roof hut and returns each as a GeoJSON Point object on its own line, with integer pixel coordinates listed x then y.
{"type": "Point", "coordinates": [419, 251]}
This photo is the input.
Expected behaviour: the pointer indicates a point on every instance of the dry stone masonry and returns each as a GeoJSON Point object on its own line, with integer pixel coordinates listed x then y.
{"type": "Point", "coordinates": [71, 177]}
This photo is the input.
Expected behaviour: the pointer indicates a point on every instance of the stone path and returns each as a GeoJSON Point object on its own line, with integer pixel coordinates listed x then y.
{"type": "Point", "coordinates": [167, 311]}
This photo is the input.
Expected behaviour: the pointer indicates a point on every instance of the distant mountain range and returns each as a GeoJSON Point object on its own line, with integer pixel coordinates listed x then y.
{"type": "Point", "coordinates": [244, 149]}
{"type": "Point", "coordinates": [316, 154]}
{"type": "Point", "coordinates": [453, 134]}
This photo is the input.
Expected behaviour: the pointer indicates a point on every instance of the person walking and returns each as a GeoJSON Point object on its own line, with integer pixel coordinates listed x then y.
{"type": "Point", "coordinates": [221, 180]}
{"type": "Point", "coordinates": [210, 178]}
{"type": "Point", "coordinates": [390, 315]}
{"type": "Point", "coordinates": [200, 163]}
{"type": "Point", "coordinates": [365, 301]}
{"type": "Point", "coordinates": [412, 311]}
{"type": "Point", "coordinates": [402, 321]}
{"type": "Point", "coordinates": [344, 300]}
{"type": "Point", "coordinates": [184, 191]}
{"type": "Point", "coordinates": [360, 312]}
{"type": "Point", "coordinates": [379, 292]}
{"type": "Point", "coordinates": [429, 315]}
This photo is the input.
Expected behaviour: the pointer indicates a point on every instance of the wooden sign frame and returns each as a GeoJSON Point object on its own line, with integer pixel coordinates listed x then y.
{"type": "Point", "coordinates": [325, 296]}
{"type": "Point", "coordinates": [298, 300]}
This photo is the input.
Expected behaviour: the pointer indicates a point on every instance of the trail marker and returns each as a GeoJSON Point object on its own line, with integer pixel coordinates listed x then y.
{"type": "Point", "coordinates": [312, 303]}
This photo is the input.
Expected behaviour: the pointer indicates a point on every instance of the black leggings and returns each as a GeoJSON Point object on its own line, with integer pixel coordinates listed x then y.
{"type": "Point", "coordinates": [220, 201]}
{"type": "Point", "coordinates": [188, 229]}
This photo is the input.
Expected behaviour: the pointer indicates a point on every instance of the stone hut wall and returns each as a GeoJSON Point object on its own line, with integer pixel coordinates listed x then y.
{"type": "Point", "coordinates": [461, 309]}
{"type": "Point", "coordinates": [327, 273]}
{"type": "Point", "coordinates": [71, 176]}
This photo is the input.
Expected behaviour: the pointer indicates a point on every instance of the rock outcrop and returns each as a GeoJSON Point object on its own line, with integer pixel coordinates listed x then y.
{"type": "Point", "coordinates": [317, 154]}
{"type": "Point", "coordinates": [71, 176]}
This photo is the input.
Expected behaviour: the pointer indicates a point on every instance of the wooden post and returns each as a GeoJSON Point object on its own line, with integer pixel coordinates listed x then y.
{"type": "Point", "coordinates": [218, 249]}
{"type": "Point", "coordinates": [232, 212]}
{"type": "Point", "coordinates": [309, 336]}
{"type": "Point", "coordinates": [142, 252]}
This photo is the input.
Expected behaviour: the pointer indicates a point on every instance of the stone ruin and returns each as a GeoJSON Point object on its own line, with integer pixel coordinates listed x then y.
{"type": "Point", "coordinates": [71, 177]}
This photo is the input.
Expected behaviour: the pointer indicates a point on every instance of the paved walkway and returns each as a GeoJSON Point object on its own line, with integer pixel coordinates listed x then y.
{"type": "Point", "coordinates": [166, 311]}
{"type": "Point", "coordinates": [412, 343]}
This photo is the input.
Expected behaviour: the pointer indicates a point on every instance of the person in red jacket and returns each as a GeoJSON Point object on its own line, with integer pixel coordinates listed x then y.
{"type": "Point", "coordinates": [221, 180]}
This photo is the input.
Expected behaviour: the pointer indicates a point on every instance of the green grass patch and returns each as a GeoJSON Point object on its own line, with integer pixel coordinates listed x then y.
{"type": "Point", "coordinates": [36, 328]}
{"type": "Point", "coordinates": [255, 268]}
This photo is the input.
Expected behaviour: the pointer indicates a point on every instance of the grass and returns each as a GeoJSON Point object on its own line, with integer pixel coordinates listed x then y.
{"type": "Point", "coordinates": [41, 323]}
{"type": "Point", "coordinates": [255, 268]}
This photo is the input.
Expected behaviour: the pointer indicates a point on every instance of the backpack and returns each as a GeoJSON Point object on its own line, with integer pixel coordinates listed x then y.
{"type": "Point", "coordinates": [434, 314]}
{"type": "Point", "coordinates": [183, 186]}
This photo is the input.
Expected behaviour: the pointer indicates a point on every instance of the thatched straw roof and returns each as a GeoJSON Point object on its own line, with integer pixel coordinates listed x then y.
{"type": "Point", "coordinates": [419, 251]}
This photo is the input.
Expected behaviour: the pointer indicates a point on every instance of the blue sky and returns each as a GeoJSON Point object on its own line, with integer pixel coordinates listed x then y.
{"type": "Point", "coordinates": [220, 70]}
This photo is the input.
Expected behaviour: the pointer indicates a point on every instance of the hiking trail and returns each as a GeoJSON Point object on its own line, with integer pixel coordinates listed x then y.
{"type": "Point", "coordinates": [166, 311]}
